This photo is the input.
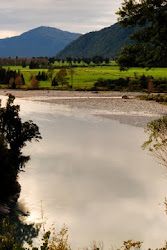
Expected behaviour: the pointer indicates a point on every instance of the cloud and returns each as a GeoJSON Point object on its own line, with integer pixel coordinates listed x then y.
{"type": "Point", "coordinates": [71, 15]}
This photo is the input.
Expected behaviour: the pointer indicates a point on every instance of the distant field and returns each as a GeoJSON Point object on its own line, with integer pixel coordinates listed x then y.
{"type": "Point", "coordinates": [85, 77]}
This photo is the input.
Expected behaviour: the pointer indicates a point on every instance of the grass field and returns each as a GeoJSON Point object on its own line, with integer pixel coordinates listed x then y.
{"type": "Point", "coordinates": [85, 77]}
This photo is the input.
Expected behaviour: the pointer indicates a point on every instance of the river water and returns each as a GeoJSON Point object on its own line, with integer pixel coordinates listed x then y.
{"type": "Point", "coordinates": [92, 175]}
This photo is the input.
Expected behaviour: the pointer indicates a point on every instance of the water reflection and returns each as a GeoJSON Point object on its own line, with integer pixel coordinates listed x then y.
{"type": "Point", "coordinates": [92, 175]}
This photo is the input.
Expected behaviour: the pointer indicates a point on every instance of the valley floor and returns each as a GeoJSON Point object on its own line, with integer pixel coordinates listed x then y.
{"type": "Point", "coordinates": [108, 105]}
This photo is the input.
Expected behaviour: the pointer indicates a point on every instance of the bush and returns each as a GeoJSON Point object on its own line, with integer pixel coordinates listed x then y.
{"type": "Point", "coordinates": [142, 83]}
{"type": "Point", "coordinates": [119, 84]}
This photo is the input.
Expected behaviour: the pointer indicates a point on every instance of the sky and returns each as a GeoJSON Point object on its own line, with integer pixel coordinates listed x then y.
{"type": "Point", "coordinates": [18, 16]}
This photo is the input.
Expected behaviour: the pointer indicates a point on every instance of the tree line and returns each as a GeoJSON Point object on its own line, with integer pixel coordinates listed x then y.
{"type": "Point", "coordinates": [143, 83]}
{"type": "Point", "coordinates": [11, 77]}
{"type": "Point", "coordinates": [14, 79]}
{"type": "Point", "coordinates": [19, 61]}
{"type": "Point", "coordinates": [46, 62]}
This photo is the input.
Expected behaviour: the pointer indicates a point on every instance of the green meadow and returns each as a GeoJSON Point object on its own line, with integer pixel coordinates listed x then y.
{"type": "Point", "coordinates": [85, 77]}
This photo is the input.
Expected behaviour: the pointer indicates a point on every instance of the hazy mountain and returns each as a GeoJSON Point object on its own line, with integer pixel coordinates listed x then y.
{"type": "Point", "coordinates": [42, 41]}
{"type": "Point", "coordinates": [106, 42]}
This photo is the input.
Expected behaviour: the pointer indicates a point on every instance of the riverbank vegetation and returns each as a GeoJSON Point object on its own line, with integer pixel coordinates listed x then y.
{"type": "Point", "coordinates": [53, 240]}
{"type": "Point", "coordinates": [14, 134]}
{"type": "Point", "coordinates": [157, 141]}
{"type": "Point", "coordinates": [160, 98]}
{"type": "Point", "coordinates": [142, 84]}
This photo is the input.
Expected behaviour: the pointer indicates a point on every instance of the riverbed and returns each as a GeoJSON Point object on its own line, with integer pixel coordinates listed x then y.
{"type": "Point", "coordinates": [108, 105]}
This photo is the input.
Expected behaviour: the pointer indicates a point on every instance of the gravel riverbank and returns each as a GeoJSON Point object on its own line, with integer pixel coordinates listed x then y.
{"type": "Point", "coordinates": [108, 105]}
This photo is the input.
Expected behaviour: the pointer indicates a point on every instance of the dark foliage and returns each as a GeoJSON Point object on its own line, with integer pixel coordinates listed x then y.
{"type": "Point", "coordinates": [14, 232]}
{"type": "Point", "coordinates": [150, 40]}
{"type": "Point", "coordinates": [6, 75]}
{"type": "Point", "coordinates": [34, 65]}
{"type": "Point", "coordinates": [109, 84]}
{"type": "Point", "coordinates": [54, 82]}
{"type": "Point", "coordinates": [132, 84]}
{"type": "Point", "coordinates": [24, 62]}
{"type": "Point", "coordinates": [161, 98]}
{"type": "Point", "coordinates": [14, 134]}
{"type": "Point", "coordinates": [42, 76]}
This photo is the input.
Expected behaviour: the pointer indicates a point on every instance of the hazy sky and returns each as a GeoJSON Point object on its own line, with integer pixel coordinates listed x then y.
{"type": "Point", "coordinates": [17, 16]}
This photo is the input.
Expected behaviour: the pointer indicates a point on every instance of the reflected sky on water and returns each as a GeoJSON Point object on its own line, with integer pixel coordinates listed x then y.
{"type": "Point", "coordinates": [92, 175]}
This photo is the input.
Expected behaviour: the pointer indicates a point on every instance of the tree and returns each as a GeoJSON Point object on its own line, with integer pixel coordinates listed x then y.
{"type": "Point", "coordinates": [15, 232]}
{"type": "Point", "coordinates": [150, 85]}
{"type": "Point", "coordinates": [42, 76]}
{"type": "Point", "coordinates": [14, 134]}
{"type": "Point", "coordinates": [22, 78]}
{"type": "Point", "coordinates": [150, 40]}
{"type": "Point", "coordinates": [62, 77]}
{"type": "Point", "coordinates": [19, 81]}
{"type": "Point", "coordinates": [71, 72]}
{"type": "Point", "coordinates": [69, 60]}
{"type": "Point", "coordinates": [34, 64]}
{"type": "Point", "coordinates": [34, 83]}
{"type": "Point", "coordinates": [54, 82]}
{"type": "Point", "coordinates": [12, 83]}
{"type": "Point", "coordinates": [106, 60]}
{"type": "Point", "coordinates": [23, 64]}
{"type": "Point", "coordinates": [8, 185]}
{"type": "Point", "coordinates": [157, 141]}
{"type": "Point", "coordinates": [50, 72]}
{"type": "Point", "coordinates": [50, 239]}
{"type": "Point", "coordinates": [97, 60]}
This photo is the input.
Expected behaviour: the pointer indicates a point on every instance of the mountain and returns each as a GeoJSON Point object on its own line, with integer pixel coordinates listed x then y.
{"type": "Point", "coordinates": [42, 41]}
{"type": "Point", "coordinates": [106, 42]}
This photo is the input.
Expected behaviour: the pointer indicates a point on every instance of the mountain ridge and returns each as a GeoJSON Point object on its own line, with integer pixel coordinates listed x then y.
{"type": "Point", "coordinates": [40, 41]}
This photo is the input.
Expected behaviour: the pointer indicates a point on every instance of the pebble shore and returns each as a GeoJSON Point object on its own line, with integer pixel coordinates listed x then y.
{"type": "Point", "coordinates": [109, 105]}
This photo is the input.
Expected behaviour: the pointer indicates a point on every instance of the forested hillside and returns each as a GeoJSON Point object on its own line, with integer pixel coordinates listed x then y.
{"type": "Point", "coordinates": [106, 42]}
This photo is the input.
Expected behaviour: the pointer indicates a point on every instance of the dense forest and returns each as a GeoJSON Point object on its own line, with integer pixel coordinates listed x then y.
{"type": "Point", "coordinates": [106, 42]}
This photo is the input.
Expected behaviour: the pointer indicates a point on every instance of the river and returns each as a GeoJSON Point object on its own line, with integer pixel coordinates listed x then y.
{"type": "Point", "coordinates": [91, 174]}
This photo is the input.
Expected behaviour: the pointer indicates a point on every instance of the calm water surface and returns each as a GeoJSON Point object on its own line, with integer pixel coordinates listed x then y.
{"type": "Point", "coordinates": [92, 175]}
